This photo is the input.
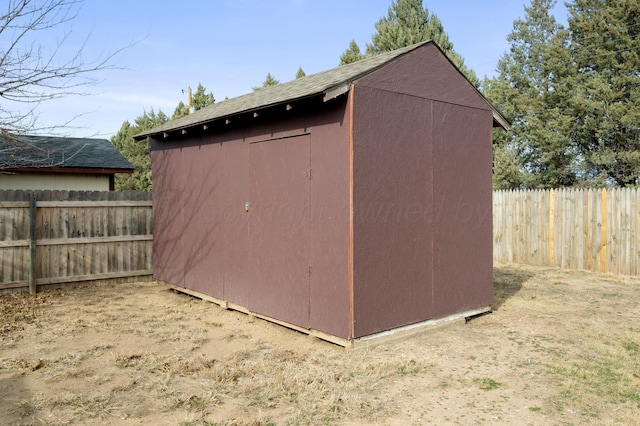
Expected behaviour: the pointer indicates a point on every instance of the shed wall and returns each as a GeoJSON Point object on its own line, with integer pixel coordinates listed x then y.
{"type": "Point", "coordinates": [422, 194]}
{"type": "Point", "coordinates": [428, 74]}
{"type": "Point", "coordinates": [203, 196]}
{"type": "Point", "coordinates": [285, 258]}
{"type": "Point", "coordinates": [168, 221]}
{"type": "Point", "coordinates": [329, 292]}
{"type": "Point", "coordinates": [392, 161]}
{"type": "Point", "coordinates": [463, 242]}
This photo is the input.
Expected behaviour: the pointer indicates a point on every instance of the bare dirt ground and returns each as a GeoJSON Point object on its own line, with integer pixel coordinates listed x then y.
{"type": "Point", "coordinates": [560, 348]}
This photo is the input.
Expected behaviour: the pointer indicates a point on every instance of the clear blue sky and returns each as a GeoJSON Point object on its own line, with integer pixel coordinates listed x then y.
{"type": "Point", "coordinates": [230, 45]}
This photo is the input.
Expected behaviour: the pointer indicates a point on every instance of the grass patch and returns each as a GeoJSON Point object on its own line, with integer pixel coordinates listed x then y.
{"type": "Point", "coordinates": [100, 407]}
{"type": "Point", "coordinates": [410, 367]}
{"type": "Point", "coordinates": [487, 384]}
{"type": "Point", "coordinates": [24, 409]}
{"type": "Point", "coordinates": [603, 369]}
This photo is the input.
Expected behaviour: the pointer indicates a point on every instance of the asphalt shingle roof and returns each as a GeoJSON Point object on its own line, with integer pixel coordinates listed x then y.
{"type": "Point", "coordinates": [311, 85]}
{"type": "Point", "coordinates": [304, 87]}
{"type": "Point", "coordinates": [63, 152]}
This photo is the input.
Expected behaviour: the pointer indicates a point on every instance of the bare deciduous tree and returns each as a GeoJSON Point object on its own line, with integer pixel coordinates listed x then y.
{"type": "Point", "coordinates": [38, 63]}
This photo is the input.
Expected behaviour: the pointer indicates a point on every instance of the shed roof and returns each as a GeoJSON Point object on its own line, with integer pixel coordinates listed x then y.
{"type": "Point", "coordinates": [58, 152]}
{"type": "Point", "coordinates": [331, 84]}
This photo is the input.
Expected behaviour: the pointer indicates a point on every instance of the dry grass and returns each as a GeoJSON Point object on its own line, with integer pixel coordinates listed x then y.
{"type": "Point", "coordinates": [560, 348]}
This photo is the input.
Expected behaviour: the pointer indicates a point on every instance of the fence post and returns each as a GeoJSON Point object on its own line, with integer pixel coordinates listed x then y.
{"type": "Point", "coordinates": [32, 244]}
{"type": "Point", "coordinates": [552, 230]}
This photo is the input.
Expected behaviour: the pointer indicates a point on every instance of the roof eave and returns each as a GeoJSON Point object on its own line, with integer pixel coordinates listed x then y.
{"type": "Point", "coordinates": [499, 120]}
{"type": "Point", "coordinates": [327, 95]}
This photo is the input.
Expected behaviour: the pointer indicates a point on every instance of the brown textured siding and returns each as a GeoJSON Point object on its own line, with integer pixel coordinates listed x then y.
{"type": "Point", "coordinates": [287, 256]}
{"type": "Point", "coordinates": [367, 212]}
{"type": "Point", "coordinates": [392, 211]}
{"type": "Point", "coordinates": [422, 194]}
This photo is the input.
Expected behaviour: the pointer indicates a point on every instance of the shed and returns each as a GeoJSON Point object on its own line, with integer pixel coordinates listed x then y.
{"type": "Point", "coordinates": [59, 163]}
{"type": "Point", "coordinates": [348, 204]}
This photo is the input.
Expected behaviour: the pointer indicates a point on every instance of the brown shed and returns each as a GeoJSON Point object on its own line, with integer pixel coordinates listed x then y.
{"type": "Point", "coordinates": [344, 204]}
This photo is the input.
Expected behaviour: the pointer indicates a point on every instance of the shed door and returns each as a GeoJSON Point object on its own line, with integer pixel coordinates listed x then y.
{"type": "Point", "coordinates": [279, 228]}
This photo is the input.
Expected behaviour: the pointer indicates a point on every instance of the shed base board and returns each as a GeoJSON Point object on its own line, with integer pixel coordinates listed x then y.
{"type": "Point", "coordinates": [228, 305]}
{"type": "Point", "coordinates": [393, 335]}
{"type": "Point", "coordinates": [411, 330]}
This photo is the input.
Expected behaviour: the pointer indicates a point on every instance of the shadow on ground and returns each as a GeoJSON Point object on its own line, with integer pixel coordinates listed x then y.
{"type": "Point", "coordinates": [507, 281]}
{"type": "Point", "coordinates": [15, 402]}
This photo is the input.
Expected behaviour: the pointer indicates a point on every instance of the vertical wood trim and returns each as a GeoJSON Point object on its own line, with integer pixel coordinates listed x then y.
{"type": "Point", "coordinates": [32, 244]}
{"type": "Point", "coordinates": [603, 246]}
{"type": "Point", "coordinates": [310, 235]}
{"type": "Point", "coordinates": [351, 217]}
{"type": "Point", "coordinates": [432, 261]}
{"type": "Point", "coordinates": [552, 212]}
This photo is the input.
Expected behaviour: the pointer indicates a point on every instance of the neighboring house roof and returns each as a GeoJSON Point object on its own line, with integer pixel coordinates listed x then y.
{"type": "Point", "coordinates": [58, 152]}
{"type": "Point", "coordinates": [331, 84]}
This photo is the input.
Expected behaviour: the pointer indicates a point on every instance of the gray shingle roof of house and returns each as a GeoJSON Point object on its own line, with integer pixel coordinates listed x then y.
{"type": "Point", "coordinates": [311, 85]}
{"type": "Point", "coordinates": [60, 152]}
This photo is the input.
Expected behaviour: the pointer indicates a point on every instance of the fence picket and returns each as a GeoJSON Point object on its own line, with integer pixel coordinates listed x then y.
{"type": "Point", "coordinates": [588, 229]}
{"type": "Point", "coordinates": [78, 236]}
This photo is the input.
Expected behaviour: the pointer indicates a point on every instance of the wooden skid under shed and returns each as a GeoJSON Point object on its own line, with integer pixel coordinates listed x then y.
{"type": "Point", "coordinates": [372, 340]}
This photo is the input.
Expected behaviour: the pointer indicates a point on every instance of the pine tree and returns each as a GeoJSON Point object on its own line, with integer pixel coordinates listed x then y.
{"type": "Point", "coordinates": [300, 73]}
{"type": "Point", "coordinates": [352, 54]}
{"type": "Point", "coordinates": [181, 110]}
{"type": "Point", "coordinates": [408, 23]}
{"type": "Point", "coordinates": [605, 49]}
{"type": "Point", "coordinates": [138, 153]}
{"type": "Point", "coordinates": [199, 100]}
{"type": "Point", "coordinates": [537, 152]}
{"type": "Point", "coordinates": [508, 168]}
{"type": "Point", "coordinates": [268, 82]}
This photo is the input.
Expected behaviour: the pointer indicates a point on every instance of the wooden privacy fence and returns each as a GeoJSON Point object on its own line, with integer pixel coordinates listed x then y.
{"type": "Point", "coordinates": [56, 237]}
{"type": "Point", "coordinates": [596, 230]}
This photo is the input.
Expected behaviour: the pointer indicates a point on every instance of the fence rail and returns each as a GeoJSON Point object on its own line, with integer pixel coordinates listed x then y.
{"type": "Point", "coordinates": [85, 236]}
{"type": "Point", "coordinates": [596, 230]}
{"type": "Point", "coordinates": [55, 237]}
